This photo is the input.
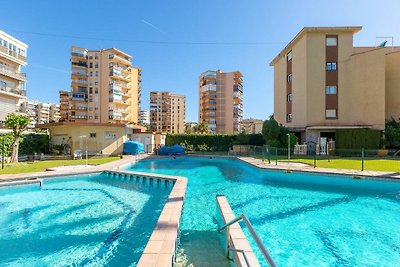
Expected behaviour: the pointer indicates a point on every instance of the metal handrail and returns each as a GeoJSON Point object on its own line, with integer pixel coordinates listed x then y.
{"type": "Point", "coordinates": [255, 236]}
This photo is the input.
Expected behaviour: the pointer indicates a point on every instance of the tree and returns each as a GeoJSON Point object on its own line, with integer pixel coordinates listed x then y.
{"type": "Point", "coordinates": [18, 124]}
{"type": "Point", "coordinates": [201, 128]}
{"type": "Point", "coordinates": [188, 128]}
{"type": "Point", "coordinates": [276, 135]}
{"type": "Point", "coordinates": [392, 134]}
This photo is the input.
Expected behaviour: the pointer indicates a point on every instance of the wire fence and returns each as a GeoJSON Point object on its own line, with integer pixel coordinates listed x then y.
{"type": "Point", "coordinates": [386, 160]}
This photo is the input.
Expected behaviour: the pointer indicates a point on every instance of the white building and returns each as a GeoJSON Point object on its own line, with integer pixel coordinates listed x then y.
{"type": "Point", "coordinates": [144, 117]}
{"type": "Point", "coordinates": [40, 113]}
{"type": "Point", "coordinates": [12, 80]}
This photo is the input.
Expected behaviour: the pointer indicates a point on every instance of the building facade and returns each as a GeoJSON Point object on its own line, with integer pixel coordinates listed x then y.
{"type": "Point", "coordinates": [220, 101]}
{"type": "Point", "coordinates": [144, 117]}
{"type": "Point", "coordinates": [252, 126]}
{"type": "Point", "coordinates": [105, 87]}
{"type": "Point", "coordinates": [323, 83]}
{"type": "Point", "coordinates": [167, 112]}
{"type": "Point", "coordinates": [13, 55]}
{"type": "Point", "coordinates": [40, 113]}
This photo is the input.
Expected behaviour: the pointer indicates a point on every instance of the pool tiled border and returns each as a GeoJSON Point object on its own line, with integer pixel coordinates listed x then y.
{"type": "Point", "coordinates": [237, 238]}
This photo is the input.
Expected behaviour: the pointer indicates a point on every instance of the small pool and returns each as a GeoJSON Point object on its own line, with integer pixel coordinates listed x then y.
{"type": "Point", "coordinates": [90, 220]}
{"type": "Point", "coordinates": [304, 219]}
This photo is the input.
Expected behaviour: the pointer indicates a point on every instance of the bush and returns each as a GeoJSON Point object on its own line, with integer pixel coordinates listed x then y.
{"type": "Point", "coordinates": [357, 139]}
{"type": "Point", "coordinates": [213, 142]}
{"type": "Point", "coordinates": [8, 138]}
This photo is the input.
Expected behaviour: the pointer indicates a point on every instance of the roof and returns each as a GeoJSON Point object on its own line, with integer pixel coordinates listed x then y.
{"type": "Point", "coordinates": [70, 123]}
{"type": "Point", "coordinates": [305, 30]}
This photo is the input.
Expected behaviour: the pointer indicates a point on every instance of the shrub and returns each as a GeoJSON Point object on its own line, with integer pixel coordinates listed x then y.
{"type": "Point", "coordinates": [357, 139]}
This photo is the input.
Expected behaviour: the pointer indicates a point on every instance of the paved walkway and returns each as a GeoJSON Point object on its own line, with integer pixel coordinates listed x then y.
{"type": "Point", "coordinates": [70, 170]}
{"type": "Point", "coordinates": [307, 168]}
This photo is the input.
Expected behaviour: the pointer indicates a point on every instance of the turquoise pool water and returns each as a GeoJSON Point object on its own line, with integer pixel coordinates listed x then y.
{"type": "Point", "coordinates": [304, 219]}
{"type": "Point", "coordinates": [93, 220]}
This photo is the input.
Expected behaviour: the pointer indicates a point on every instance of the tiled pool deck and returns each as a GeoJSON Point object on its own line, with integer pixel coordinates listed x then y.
{"type": "Point", "coordinates": [160, 249]}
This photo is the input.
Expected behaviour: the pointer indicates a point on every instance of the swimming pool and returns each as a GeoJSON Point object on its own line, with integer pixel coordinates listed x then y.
{"type": "Point", "coordinates": [304, 219]}
{"type": "Point", "coordinates": [90, 220]}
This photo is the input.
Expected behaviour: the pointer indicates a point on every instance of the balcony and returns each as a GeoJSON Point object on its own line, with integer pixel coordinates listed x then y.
{"type": "Point", "coordinates": [80, 81]}
{"type": "Point", "coordinates": [79, 108]}
{"type": "Point", "coordinates": [119, 59]}
{"type": "Point", "coordinates": [238, 87]}
{"type": "Point", "coordinates": [209, 74]}
{"type": "Point", "coordinates": [79, 54]}
{"type": "Point", "coordinates": [79, 72]}
{"type": "Point", "coordinates": [208, 87]}
{"type": "Point", "coordinates": [12, 73]}
{"type": "Point", "coordinates": [13, 90]}
{"type": "Point", "coordinates": [79, 64]}
{"type": "Point", "coordinates": [14, 54]}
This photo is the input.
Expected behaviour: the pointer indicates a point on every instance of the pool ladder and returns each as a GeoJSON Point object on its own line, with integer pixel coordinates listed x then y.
{"type": "Point", "coordinates": [255, 236]}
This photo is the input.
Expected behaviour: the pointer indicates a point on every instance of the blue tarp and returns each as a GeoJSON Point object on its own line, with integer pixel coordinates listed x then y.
{"type": "Point", "coordinates": [172, 150]}
{"type": "Point", "coordinates": [133, 148]}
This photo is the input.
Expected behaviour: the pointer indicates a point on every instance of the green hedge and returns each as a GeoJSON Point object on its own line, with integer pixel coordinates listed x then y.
{"type": "Point", "coordinates": [213, 142]}
{"type": "Point", "coordinates": [358, 138]}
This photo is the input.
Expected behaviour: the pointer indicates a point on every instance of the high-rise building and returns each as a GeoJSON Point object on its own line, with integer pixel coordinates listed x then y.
{"type": "Point", "coordinates": [105, 87]}
{"type": "Point", "coordinates": [323, 83]}
{"type": "Point", "coordinates": [167, 112]}
{"type": "Point", "coordinates": [12, 80]}
{"type": "Point", "coordinates": [40, 113]}
{"type": "Point", "coordinates": [144, 117]}
{"type": "Point", "coordinates": [220, 100]}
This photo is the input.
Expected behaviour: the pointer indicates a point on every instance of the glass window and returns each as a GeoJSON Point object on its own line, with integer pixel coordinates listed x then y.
{"type": "Point", "coordinates": [92, 135]}
{"type": "Point", "coordinates": [290, 77]}
{"type": "Point", "coordinates": [330, 90]}
{"type": "Point", "coordinates": [331, 66]}
{"type": "Point", "coordinates": [330, 113]}
{"type": "Point", "coordinates": [331, 41]}
{"type": "Point", "coordinates": [289, 56]}
{"type": "Point", "coordinates": [289, 117]}
{"type": "Point", "coordinates": [289, 97]}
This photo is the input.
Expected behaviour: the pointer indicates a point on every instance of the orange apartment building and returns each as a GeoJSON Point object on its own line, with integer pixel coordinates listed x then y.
{"type": "Point", "coordinates": [167, 112]}
{"type": "Point", "coordinates": [105, 87]}
{"type": "Point", "coordinates": [220, 101]}
{"type": "Point", "coordinates": [323, 83]}
{"type": "Point", "coordinates": [13, 54]}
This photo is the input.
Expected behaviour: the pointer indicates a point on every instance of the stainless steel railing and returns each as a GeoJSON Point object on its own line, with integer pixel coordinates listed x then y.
{"type": "Point", "coordinates": [255, 236]}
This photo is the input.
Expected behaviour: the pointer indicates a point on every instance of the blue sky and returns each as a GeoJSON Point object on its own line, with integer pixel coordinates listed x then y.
{"type": "Point", "coordinates": [240, 35]}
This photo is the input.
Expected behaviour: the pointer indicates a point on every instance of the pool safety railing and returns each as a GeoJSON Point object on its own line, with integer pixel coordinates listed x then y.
{"type": "Point", "coordinates": [255, 236]}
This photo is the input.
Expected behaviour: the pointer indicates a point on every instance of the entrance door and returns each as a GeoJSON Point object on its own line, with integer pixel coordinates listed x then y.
{"type": "Point", "coordinates": [322, 145]}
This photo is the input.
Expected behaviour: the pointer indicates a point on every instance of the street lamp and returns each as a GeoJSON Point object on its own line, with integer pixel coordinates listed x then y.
{"type": "Point", "coordinates": [288, 145]}
{"type": "Point", "coordinates": [84, 136]}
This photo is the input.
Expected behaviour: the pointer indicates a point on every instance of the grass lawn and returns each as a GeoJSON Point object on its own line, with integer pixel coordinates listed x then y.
{"type": "Point", "coordinates": [389, 165]}
{"type": "Point", "coordinates": [37, 166]}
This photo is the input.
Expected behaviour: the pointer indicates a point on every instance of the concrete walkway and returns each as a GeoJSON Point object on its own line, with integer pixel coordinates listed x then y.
{"type": "Point", "coordinates": [70, 170]}
{"type": "Point", "coordinates": [307, 168]}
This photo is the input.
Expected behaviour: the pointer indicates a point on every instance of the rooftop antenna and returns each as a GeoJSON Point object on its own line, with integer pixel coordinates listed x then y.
{"type": "Point", "coordinates": [381, 41]}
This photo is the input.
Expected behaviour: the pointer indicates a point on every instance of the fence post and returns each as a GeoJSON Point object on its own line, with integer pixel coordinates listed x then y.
{"type": "Point", "coordinates": [276, 156]}
{"type": "Point", "coordinates": [269, 154]}
{"type": "Point", "coordinates": [315, 159]}
{"type": "Point", "coordinates": [263, 153]}
{"type": "Point", "coordinates": [362, 159]}
{"type": "Point", "coordinates": [327, 152]}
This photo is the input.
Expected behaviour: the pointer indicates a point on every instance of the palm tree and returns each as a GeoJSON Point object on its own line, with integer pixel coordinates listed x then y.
{"type": "Point", "coordinates": [202, 127]}
{"type": "Point", "coordinates": [18, 124]}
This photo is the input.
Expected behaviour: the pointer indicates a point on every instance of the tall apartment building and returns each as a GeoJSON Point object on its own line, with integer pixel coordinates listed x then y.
{"type": "Point", "coordinates": [220, 100]}
{"type": "Point", "coordinates": [40, 113]}
{"type": "Point", "coordinates": [144, 117]}
{"type": "Point", "coordinates": [323, 83]}
{"type": "Point", "coordinates": [167, 112]}
{"type": "Point", "coordinates": [12, 80]}
{"type": "Point", "coordinates": [105, 87]}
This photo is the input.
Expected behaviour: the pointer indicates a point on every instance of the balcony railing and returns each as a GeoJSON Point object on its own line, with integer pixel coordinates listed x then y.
{"type": "Point", "coordinates": [120, 59]}
{"type": "Point", "coordinates": [12, 53]}
{"type": "Point", "coordinates": [13, 90]}
{"type": "Point", "coordinates": [11, 72]}
{"type": "Point", "coordinates": [80, 64]}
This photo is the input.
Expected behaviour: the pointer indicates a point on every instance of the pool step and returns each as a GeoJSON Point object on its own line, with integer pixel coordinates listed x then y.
{"type": "Point", "coordinates": [145, 179]}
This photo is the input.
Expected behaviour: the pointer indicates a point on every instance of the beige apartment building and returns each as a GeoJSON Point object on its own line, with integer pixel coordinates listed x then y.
{"type": "Point", "coordinates": [220, 101]}
{"type": "Point", "coordinates": [167, 112]}
{"type": "Point", "coordinates": [105, 87]}
{"type": "Point", "coordinates": [40, 113]}
{"type": "Point", "coordinates": [12, 80]}
{"type": "Point", "coordinates": [252, 126]}
{"type": "Point", "coordinates": [323, 83]}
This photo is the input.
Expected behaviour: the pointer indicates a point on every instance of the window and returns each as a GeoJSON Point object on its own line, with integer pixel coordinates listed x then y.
{"type": "Point", "coordinates": [289, 117]}
{"type": "Point", "coordinates": [331, 41]}
{"type": "Point", "coordinates": [289, 56]}
{"type": "Point", "coordinates": [289, 98]}
{"type": "Point", "coordinates": [330, 90]}
{"type": "Point", "coordinates": [92, 135]}
{"type": "Point", "coordinates": [289, 77]}
{"type": "Point", "coordinates": [331, 66]}
{"type": "Point", "coordinates": [330, 113]}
